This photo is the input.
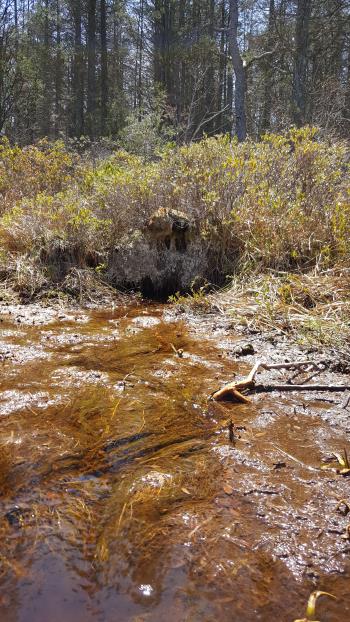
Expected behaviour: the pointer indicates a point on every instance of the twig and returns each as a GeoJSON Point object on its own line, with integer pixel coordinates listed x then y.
{"type": "Point", "coordinates": [293, 365]}
{"type": "Point", "coordinates": [207, 520]}
{"type": "Point", "coordinates": [293, 458]}
{"type": "Point", "coordinates": [121, 518]}
{"type": "Point", "coordinates": [346, 402]}
{"type": "Point", "coordinates": [311, 376]}
{"type": "Point", "coordinates": [143, 422]}
{"type": "Point", "coordinates": [234, 389]}
{"type": "Point", "coordinates": [262, 388]}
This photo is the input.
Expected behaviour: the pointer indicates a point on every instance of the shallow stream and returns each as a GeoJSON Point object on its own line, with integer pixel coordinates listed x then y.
{"type": "Point", "coordinates": [127, 496]}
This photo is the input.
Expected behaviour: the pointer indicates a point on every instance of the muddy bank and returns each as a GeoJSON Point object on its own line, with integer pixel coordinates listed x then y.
{"type": "Point", "coordinates": [123, 489]}
{"type": "Point", "coordinates": [167, 254]}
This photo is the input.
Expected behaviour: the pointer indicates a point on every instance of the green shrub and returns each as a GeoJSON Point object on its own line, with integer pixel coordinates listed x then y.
{"type": "Point", "coordinates": [32, 170]}
{"type": "Point", "coordinates": [282, 203]}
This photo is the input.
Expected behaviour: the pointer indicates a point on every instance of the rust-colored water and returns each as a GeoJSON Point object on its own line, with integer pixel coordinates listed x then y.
{"type": "Point", "coordinates": [124, 499]}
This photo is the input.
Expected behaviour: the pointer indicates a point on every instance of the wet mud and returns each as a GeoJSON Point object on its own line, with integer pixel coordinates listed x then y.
{"type": "Point", "coordinates": [126, 495]}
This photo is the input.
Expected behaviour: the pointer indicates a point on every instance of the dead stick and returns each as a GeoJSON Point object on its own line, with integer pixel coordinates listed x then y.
{"type": "Point", "coordinates": [346, 402]}
{"type": "Point", "coordinates": [311, 376]}
{"type": "Point", "coordinates": [261, 388]}
{"type": "Point", "coordinates": [251, 377]}
{"type": "Point", "coordinates": [300, 371]}
{"type": "Point", "coordinates": [295, 365]}
{"type": "Point", "coordinates": [234, 389]}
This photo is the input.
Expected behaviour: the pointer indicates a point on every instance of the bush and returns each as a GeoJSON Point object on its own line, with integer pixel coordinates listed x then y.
{"type": "Point", "coordinates": [32, 170]}
{"type": "Point", "coordinates": [281, 203]}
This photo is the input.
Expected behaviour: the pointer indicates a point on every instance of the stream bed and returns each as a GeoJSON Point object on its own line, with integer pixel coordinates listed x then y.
{"type": "Point", "coordinates": [125, 495]}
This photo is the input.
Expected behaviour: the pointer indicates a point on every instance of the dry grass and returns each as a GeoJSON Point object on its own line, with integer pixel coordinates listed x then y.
{"type": "Point", "coordinates": [313, 308]}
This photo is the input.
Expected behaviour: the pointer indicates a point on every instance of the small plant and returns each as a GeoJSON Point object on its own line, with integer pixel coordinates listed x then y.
{"type": "Point", "coordinates": [147, 132]}
{"type": "Point", "coordinates": [195, 299]}
{"type": "Point", "coordinates": [342, 460]}
{"type": "Point", "coordinates": [311, 606]}
{"type": "Point", "coordinates": [44, 167]}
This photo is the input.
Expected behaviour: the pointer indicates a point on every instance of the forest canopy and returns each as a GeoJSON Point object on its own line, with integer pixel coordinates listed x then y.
{"type": "Point", "coordinates": [183, 68]}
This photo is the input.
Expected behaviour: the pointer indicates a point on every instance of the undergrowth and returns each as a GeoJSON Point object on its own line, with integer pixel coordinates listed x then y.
{"type": "Point", "coordinates": [282, 204]}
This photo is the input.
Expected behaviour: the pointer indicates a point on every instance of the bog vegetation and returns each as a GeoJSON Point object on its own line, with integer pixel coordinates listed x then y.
{"type": "Point", "coordinates": [282, 203]}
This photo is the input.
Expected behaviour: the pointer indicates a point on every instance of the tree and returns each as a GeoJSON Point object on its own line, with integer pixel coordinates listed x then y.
{"type": "Point", "coordinates": [237, 66]}
{"type": "Point", "coordinates": [104, 68]}
{"type": "Point", "coordinates": [240, 119]}
{"type": "Point", "coordinates": [77, 94]}
{"type": "Point", "coordinates": [58, 73]}
{"type": "Point", "coordinates": [45, 117]}
{"type": "Point", "coordinates": [91, 69]}
{"type": "Point", "coordinates": [9, 76]}
{"type": "Point", "coordinates": [268, 71]}
{"type": "Point", "coordinates": [302, 27]}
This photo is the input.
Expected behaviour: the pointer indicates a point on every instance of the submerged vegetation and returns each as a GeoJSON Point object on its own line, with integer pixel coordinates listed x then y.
{"type": "Point", "coordinates": [280, 204]}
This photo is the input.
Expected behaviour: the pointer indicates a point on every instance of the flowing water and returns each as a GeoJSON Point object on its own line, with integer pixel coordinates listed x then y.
{"type": "Point", "coordinates": [126, 495]}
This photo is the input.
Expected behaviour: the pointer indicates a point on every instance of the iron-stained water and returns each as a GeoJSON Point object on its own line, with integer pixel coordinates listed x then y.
{"type": "Point", "coordinates": [124, 499]}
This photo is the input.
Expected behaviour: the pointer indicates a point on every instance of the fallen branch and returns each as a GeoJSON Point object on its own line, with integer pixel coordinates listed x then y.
{"type": "Point", "coordinates": [265, 388]}
{"type": "Point", "coordinates": [294, 365]}
{"type": "Point", "coordinates": [233, 390]}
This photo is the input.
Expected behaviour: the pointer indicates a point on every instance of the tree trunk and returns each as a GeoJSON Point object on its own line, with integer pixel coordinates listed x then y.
{"type": "Point", "coordinates": [58, 73]}
{"type": "Point", "coordinates": [302, 28]}
{"type": "Point", "coordinates": [180, 65]}
{"type": "Point", "coordinates": [140, 48]}
{"type": "Point", "coordinates": [268, 71]}
{"type": "Point", "coordinates": [77, 122]}
{"type": "Point", "coordinates": [221, 100]}
{"type": "Point", "coordinates": [104, 68]}
{"type": "Point", "coordinates": [346, 111]}
{"type": "Point", "coordinates": [91, 72]}
{"type": "Point", "coordinates": [240, 120]}
{"type": "Point", "coordinates": [163, 40]}
{"type": "Point", "coordinates": [45, 112]}
{"type": "Point", "coordinates": [15, 9]}
{"type": "Point", "coordinates": [158, 41]}
{"type": "Point", "coordinates": [210, 98]}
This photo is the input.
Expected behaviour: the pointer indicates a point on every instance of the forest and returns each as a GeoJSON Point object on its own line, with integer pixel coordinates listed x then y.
{"type": "Point", "coordinates": [186, 68]}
